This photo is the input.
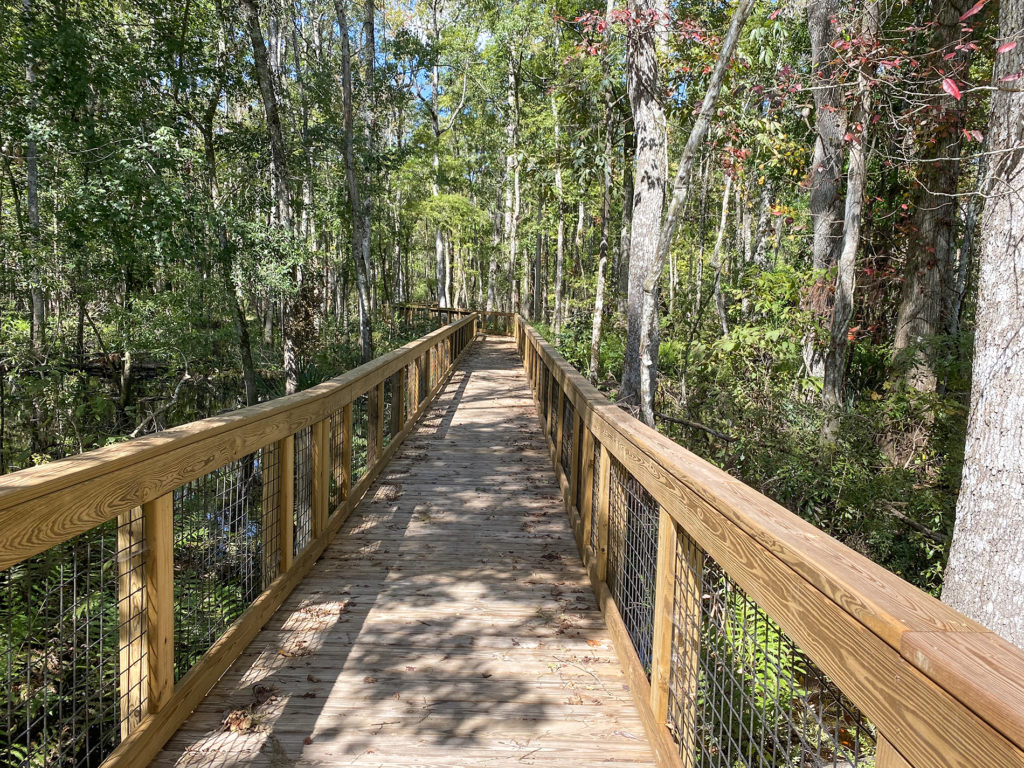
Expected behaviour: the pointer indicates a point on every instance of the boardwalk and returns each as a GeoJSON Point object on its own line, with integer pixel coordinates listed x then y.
{"type": "Point", "coordinates": [449, 624]}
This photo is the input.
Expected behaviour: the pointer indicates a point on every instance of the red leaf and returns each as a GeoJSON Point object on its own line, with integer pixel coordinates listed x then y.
{"type": "Point", "coordinates": [950, 87]}
{"type": "Point", "coordinates": [1006, 47]}
{"type": "Point", "coordinates": [974, 9]}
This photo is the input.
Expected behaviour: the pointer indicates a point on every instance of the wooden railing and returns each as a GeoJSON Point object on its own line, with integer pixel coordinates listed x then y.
{"type": "Point", "coordinates": [135, 574]}
{"type": "Point", "coordinates": [494, 323]}
{"type": "Point", "coordinates": [706, 584]}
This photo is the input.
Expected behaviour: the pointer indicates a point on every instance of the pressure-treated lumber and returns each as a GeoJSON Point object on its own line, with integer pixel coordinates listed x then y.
{"type": "Point", "coordinates": [159, 569]}
{"type": "Point", "coordinates": [43, 506]}
{"type": "Point", "coordinates": [451, 629]}
{"type": "Point", "coordinates": [849, 615]}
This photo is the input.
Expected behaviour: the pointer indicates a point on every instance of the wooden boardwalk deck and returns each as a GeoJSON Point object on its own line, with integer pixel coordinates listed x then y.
{"type": "Point", "coordinates": [449, 624]}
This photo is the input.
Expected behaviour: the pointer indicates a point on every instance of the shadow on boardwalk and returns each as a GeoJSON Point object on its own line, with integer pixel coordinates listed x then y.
{"type": "Point", "coordinates": [449, 624]}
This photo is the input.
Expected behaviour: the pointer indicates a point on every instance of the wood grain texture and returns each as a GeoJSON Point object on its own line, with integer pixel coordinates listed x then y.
{"type": "Point", "coordinates": [131, 609]}
{"type": "Point", "coordinates": [159, 569]}
{"type": "Point", "coordinates": [888, 757]}
{"type": "Point", "coordinates": [321, 475]}
{"type": "Point", "coordinates": [453, 629]}
{"type": "Point", "coordinates": [43, 506]}
{"type": "Point", "coordinates": [821, 593]}
{"type": "Point", "coordinates": [156, 728]}
{"type": "Point", "coordinates": [286, 507]}
{"type": "Point", "coordinates": [664, 594]}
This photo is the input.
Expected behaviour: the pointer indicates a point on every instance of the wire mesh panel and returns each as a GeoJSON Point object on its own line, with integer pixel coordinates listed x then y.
{"type": "Point", "coordinates": [553, 398]}
{"type": "Point", "coordinates": [270, 545]}
{"type": "Point", "coordinates": [568, 439]}
{"type": "Point", "coordinates": [632, 557]}
{"type": "Point", "coordinates": [218, 555]}
{"type": "Point", "coordinates": [303, 467]}
{"type": "Point", "coordinates": [741, 693]}
{"type": "Point", "coordinates": [62, 624]}
{"type": "Point", "coordinates": [595, 499]}
{"type": "Point", "coordinates": [360, 411]}
{"type": "Point", "coordinates": [389, 403]}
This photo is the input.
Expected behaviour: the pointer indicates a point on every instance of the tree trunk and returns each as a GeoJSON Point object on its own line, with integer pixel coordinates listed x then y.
{"type": "Point", "coordinates": [360, 232]}
{"type": "Point", "coordinates": [556, 322]}
{"type": "Point", "coordinates": [651, 168]}
{"type": "Point", "coordinates": [37, 326]}
{"type": "Point", "coordinates": [716, 258]}
{"type": "Point", "coordinates": [647, 328]}
{"type": "Point", "coordinates": [984, 577]}
{"type": "Point", "coordinates": [833, 394]}
{"type": "Point", "coordinates": [827, 161]}
{"type": "Point", "coordinates": [606, 203]}
{"type": "Point", "coordinates": [279, 175]}
{"type": "Point", "coordinates": [512, 193]}
{"type": "Point", "coordinates": [927, 304]}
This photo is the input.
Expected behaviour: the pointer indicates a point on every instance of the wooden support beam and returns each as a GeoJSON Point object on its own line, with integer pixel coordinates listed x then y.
{"type": "Point", "coordinates": [346, 451]}
{"type": "Point", "coordinates": [398, 402]}
{"type": "Point", "coordinates": [604, 482]}
{"type": "Point", "coordinates": [321, 476]}
{"type": "Point", "coordinates": [886, 755]}
{"type": "Point", "coordinates": [159, 524]}
{"type": "Point", "coordinates": [286, 489]}
{"type": "Point", "coordinates": [559, 411]}
{"type": "Point", "coordinates": [574, 468]}
{"type": "Point", "coordinates": [131, 607]}
{"type": "Point", "coordinates": [664, 594]}
{"type": "Point", "coordinates": [587, 498]}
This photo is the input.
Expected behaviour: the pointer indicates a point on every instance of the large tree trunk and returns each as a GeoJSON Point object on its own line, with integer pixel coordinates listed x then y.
{"type": "Point", "coordinates": [716, 258]}
{"type": "Point", "coordinates": [360, 230]}
{"type": "Point", "coordinates": [651, 169]}
{"type": "Point", "coordinates": [833, 393]}
{"type": "Point", "coordinates": [648, 325]}
{"type": "Point", "coordinates": [984, 577]}
{"type": "Point", "coordinates": [279, 176]}
{"type": "Point", "coordinates": [606, 203]}
{"type": "Point", "coordinates": [556, 321]}
{"type": "Point", "coordinates": [37, 326]}
{"type": "Point", "coordinates": [827, 161]}
{"type": "Point", "coordinates": [512, 192]}
{"type": "Point", "coordinates": [927, 305]}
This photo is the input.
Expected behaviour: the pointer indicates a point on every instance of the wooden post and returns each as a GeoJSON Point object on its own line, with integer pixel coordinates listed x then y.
{"type": "Point", "coordinates": [159, 523]}
{"type": "Point", "coordinates": [131, 586]}
{"type": "Point", "coordinates": [664, 594]}
{"type": "Point", "coordinates": [286, 487]}
{"type": "Point", "coordinates": [270, 458]}
{"type": "Point", "coordinates": [886, 755]}
{"type": "Point", "coordinates": [574, 467]}
{"type": "Point", "coordinates": [688, 578]}
{"type": "Point", "coordinates": [346, 451]}
{"type": "Point", "coordinates": [374, 426]}
{"type": "Point", "coordinates": [587, 499]}
{"type": "Point", "coordinates": [559, 412]}
{"type": "Point", "coordinates": [397, 402]}
{"type": "Point", "coordinates": [321, 476]}
{"type": "Point", "coordinates": [603, 488]}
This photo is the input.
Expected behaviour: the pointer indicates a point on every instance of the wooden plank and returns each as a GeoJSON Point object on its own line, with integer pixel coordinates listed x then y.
{"type": "Point", "coordinates": [43, 506]}
{"type": "Point", "coordinates": [403, 665]}
{"type": "Point", "coordinates": [982, 670]}
{"type": "Point", "coordinates": [574, 472]}
{"type": "Point", "coordinates": [587, 502]}
{"type": "Point", "coordinates": [397, 402]}
{"type": "Point", "coordinates": [143, 744]}
{"type": "Point", "coordinates": [875, 605]}
{"type": "Point", "coordinates": [603, 501]}
{"type": "Point", "coordinates": [664, 596]}
{"type": "Point", "coordinates": [286, 512]}
{"type": "Point", "coordinates": [159, 525]}
{"type": "Point", "coordinates": [131, 607]}
{"type": "Point", "coordinates": [321, 476]}
{"type": "Point", "coordinates": [886, 755]}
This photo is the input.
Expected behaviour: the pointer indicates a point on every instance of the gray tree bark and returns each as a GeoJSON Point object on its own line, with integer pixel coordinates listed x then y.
{"type": "Point", "coordinates": [827, 161]}
{"type": "Point", "coordinates": [648, 326]}
{"type": "Point", "coordinates": [985, 573]}
{"type": "Point", "coordinates": [927, 303]}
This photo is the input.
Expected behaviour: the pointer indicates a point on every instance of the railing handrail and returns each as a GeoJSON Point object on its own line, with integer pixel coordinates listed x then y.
{"type": "Point", "coordinates": [941, 688]}
{"type": "Point", "coordinates": [46, 505]}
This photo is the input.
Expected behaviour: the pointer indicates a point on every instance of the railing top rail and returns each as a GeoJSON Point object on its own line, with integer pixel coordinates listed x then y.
{"type": "Point", "coordinates": [43, 506]}
{"type": "Point", "coordinates": [919, 669]}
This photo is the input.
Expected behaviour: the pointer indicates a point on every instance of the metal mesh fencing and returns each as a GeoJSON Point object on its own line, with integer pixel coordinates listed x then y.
{"type": "Point", "coordinates": [595, 500]}
{"type": "Point", "coordinates": [554, 393]}
{"type": "Point", "coordinates": [218, 555]}
{"type": "Point", "coordinates": [741, 693]}
{"type": "Point", "coordinates": [389, 407]}
{"type": "Point", "coordinates": [568, 438]}
{"type": "Point", "coordinates": [632, 557]}
{"type": "Point", "coordinates": [336, 443]}
{"type": "Point", "coordinates": [303, 467]}
{"type": "Point", "coordinates": [62, 627]}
